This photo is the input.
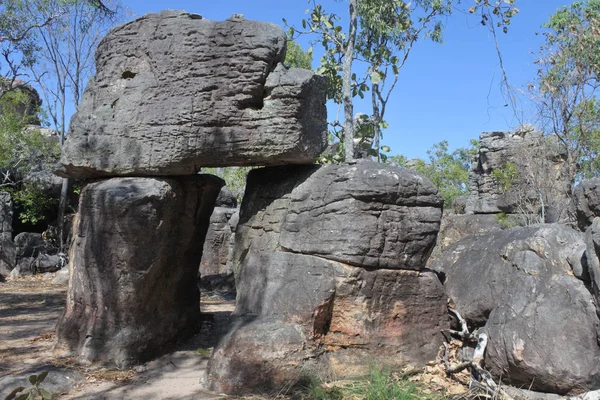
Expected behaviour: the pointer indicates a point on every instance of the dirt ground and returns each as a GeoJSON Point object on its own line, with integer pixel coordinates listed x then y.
{"type": "Point", "coordinates": [29, 309]}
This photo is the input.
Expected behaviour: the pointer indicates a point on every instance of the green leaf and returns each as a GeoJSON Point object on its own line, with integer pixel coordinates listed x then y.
{"type": "Point", "coordinates": [46, 395]}
{"type": "Point", "coordinates": [14, 393]}
{"type": "Point", "coordinates": [386, 149]}
{"type": "Point", "coordinates": [42, 376]}
{"type": "Point", "coordinates": [384, 125]}
{"type": "Point", "coordinates": [23, 396]}
{"type": "Point", "coordinates": [33, 379]}
{"type": "Point", "coordinates": [375, 78]}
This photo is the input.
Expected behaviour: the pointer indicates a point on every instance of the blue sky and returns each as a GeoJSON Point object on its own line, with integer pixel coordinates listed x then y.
{"type": "Point", "coordinates": [447, 91]}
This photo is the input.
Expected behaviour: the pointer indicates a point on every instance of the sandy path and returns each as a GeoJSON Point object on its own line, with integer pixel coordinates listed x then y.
{"type": "Point", "coordinates": [29, 308]}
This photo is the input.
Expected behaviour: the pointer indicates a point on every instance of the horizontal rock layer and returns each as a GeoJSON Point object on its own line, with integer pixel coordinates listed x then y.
{"type": "Point", "coordinates": [174, 92]}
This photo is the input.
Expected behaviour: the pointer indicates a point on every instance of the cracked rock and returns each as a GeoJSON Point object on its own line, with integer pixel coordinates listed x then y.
{"type": "Point", "coordinates": [174, 92]}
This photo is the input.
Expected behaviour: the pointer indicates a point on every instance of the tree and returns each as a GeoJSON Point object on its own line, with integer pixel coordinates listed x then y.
{"type": "Point", "coordinates": [65, 57]}
{"type": "Point", "coordinates": [566, 93]}
{"type": "Point", "coordinates": [380, 36]}
{"type": "Point", "coordinates": [297, 57]}
{"type": "Point", "coordinates": [449, 172]}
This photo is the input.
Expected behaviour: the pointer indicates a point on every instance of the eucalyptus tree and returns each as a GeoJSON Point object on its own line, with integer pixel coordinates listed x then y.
{"type": "Point", "coordinates": [380, 36]}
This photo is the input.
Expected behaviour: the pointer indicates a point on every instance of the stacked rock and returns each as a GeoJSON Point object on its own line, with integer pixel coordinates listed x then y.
{"type": "Point", "coordinates": [330, 276]}
{"type": "Point", "coordinates": [329, 261]}
{"type": "Point", "coordinates": [173, 92]}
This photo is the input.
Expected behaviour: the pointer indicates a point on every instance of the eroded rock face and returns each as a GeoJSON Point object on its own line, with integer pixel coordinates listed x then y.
{"type": "Point", "coordinates": [7, 247]}
{"type": "Point", "coordinates": [587, 202]}
{"type": "Point", "coordinates": [519, 285]}
{"type": "Point", "coordinates": [519, 154]}
{"type": "Point", "coordinates": [134, 263]}
{"type": "Point", "coordinates": [359, 298]}
{"type": "Point", "coordinates": [175, 92]}
{"type": "Point", "coordinates": [365, 214]}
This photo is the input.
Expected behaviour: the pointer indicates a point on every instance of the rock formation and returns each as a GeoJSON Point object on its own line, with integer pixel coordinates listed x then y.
{"type": "Point", "coordinates": [215, 271]}
{"type": "Point", "coordinates": [330, 275]}
{"type": "Point", "coordinates": [175, 92]}
{"type": "Point", "coordinates": [587, 202]}
{"type": "Point", "coordinates": [7, 247]}
{"type": "Point", "coordinates": [526, 287]}
{"type": "Point", "coordinates": [529, 165]}
{"type": "Point", "coordinates": [134, 264]}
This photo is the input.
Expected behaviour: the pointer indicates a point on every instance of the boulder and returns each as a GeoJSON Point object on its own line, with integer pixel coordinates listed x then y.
{"type": "Point", "coordinates": [174, 92]}
{"type": "Point", "coordinates": [62, 276]}
{"type": "Point", "coordinates": [226, 199]}
{"type": "Point", "coordinates": [332, 259]}
{"type": "Point", "coordinates": [214, 268]}
{"type": "Point", "coordinates": [587, 202]}
{"type": "Point", "coordinates": [134, 263]}
{"type": "Point", "coordinates": [48, 263]}
{"type": "Point", "coordinates": [530, 153]}
{"type": "Point", "coordinates": [29, 244]}
{"type": "Point", "coordinates": [326, 316]}
{"type": "Point", "coordinates": [363, 214]}
{"type": "Point", "coordinates": [7, 246]}
{"type": "Point", "coordinates": [519, 286]}
{"type": "Point", "coordinates": [455, 227]}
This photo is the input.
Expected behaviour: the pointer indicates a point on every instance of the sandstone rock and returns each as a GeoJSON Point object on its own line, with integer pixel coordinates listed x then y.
{"type": "Point", "coordinates": [226, 198]}
{"type": "Point", "coordinates": [331, 317]}
{"type": "Point", "coordinates": [174, 92]}
{"type": "Point", "coordinates": [133, 267]}
{"type": "Point", "coordinates": [519, 285]}
{"type": "Point", "coordinates": [218, 245]}
{"type": "Point", "coordinates": [29, 244]}
{"type": "Point", "coordinates": [456, 227]}
{"type": "Point", "coordinates": [7, 247]}
{"type": "Point", "coordinates": [365, 214]}
{"type": "Point", "coordinates": [62, 276]}
{"type": "Point", "coordinates": [525, 150]}
{"type": "Point", "coordinates": [587, 202]}
{"type": "Point", "coordinates": [331, 258]}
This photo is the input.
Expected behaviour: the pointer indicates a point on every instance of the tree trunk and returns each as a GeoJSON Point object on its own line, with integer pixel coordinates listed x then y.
{"type": "Point", "coordinates": [347, 85]}
{"type": "Point", "coordinates": [376, 119]}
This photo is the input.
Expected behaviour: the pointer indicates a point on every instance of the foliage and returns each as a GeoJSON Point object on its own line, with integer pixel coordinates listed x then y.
{"type": "Point", "coordinates": [296, 57]}
{"type": "Point", "coordinates": [34, 392]}
{"type": "Point", "coordinates": [569, 65]}
{"type": "Point", "coordinates": [449, 172]}
{"type": "Point", "coordinates": [234, 177]}
{"type": "Point", "coordinates": [378, 385]}
{"type": "Point", "coordinates": [380, 36]}
{"type": "Point", "coordinates": [506, 176]}
{"type": "Point", "coordinates": [505, 221]}
{"type": "Point", "coordinates": [33, 203]}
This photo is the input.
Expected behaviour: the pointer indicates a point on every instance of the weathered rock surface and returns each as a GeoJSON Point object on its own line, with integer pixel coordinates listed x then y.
{"type": "Point", "coordinates": [215, 271]}
{"type": "Point", "coordinates": [360, 298]}
{"type": "Point", "coordinates": [525, 150]}
{"type": "Point", "coordinates": [133, 267]}
{"type": "Point", "coordinates": [7, 247]}
{"type": "Point", "coordinates": [29, 244]}
{"type": "Point", "coordinates": [174, 92]}
{"type": "Point", "coordinates": [587, 202]}
{"type": "Point", "coordinates": [455, 227]}
{"type": "Point", "coordinates": [365, 214]}
{"type": "Point", "coordinates": [332, 317]}
{"type": "Point", "coordinates": [519, 284]}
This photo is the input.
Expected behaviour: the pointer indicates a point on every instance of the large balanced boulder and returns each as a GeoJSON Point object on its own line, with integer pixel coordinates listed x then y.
{"type": "Point", "coordinates": [134, 263]}
{"type": "Point", "coordinates": [359, 299]}
{"type": "Point", "coordinates": [174, 92]}
{"type": "Point", "coordinates": [526, 288]}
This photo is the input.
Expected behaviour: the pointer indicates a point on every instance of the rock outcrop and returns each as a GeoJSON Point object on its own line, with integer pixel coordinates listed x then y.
{"type": "Point", "coordinates": [174, 92]}
{"type": "Point", "coordinates": [525, 287]}
{"type": "Point", "coordinates": [8, 254]}
{"type": "Point", "coordinates": [215, 269]}
{"type": "Point", "coordinates": [133, 267]}
{"type": "Point", "coordinates": [330, 259]}
{"type": "Point", "coordinates": [529, 165]}
{"type": "Point", "coordinates": [587, 202]}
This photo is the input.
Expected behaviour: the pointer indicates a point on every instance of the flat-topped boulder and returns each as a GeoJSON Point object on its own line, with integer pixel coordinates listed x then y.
{"type": "Point", "coordinates": [175, 92]}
